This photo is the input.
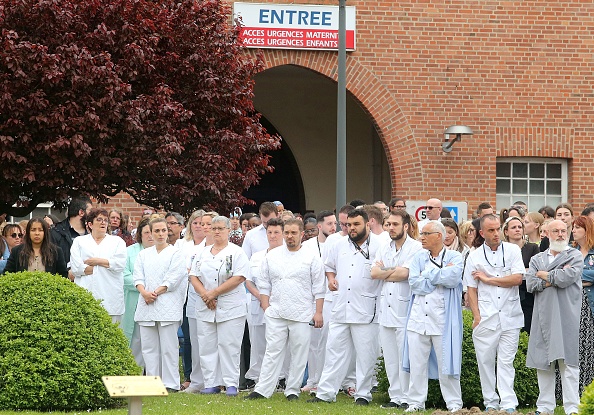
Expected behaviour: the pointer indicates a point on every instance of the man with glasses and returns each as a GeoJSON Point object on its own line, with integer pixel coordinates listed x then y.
{"type": "Point", "coordinates": [353, 325]}
{"type": "Point", "coordinates": [493, 273]}
{"type": "Point", "coordinates": [397, 203]}
{"type": "Point", "coordinates": [434, 320]}
{"type": "Point", "coordinates": [255, 239]}
{"type": "Point", "coordinates": [555, 279]}
{"type": "Point", "coordinates": [432, 212]}
{"type": "Point", "coordinates": [175, 226]}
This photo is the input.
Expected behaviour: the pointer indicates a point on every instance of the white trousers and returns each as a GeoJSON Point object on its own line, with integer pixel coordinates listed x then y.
{"type": "Point", "coordinates": [136, 346]}
{"type": "Point", "coordinates": [570, 380]}
{"type": "Point", "coordinates": [220, 348]}
{"type": "Point", "coordinates": [160, 350]}
{"type": "Point", "coordinates": [196, 377]}
{"type": "Point", "coordinates": [116, 319]}
{"type": "Point", "coordinates": [419, 348]}
{"type": "Point", "coordinates": [257, 349]}
{"type": "Point", "coordinates": [281, 335]}
{"type": "Point", "coordinates": [392, 342]}
{"type": "Point", "coordinates": [343, 339]}
{"type": "Point", "coordinates": [501, 346]}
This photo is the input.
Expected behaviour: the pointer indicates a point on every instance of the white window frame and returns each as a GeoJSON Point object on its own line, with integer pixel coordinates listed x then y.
{"type": "Point", "coordinates": [514, 197]}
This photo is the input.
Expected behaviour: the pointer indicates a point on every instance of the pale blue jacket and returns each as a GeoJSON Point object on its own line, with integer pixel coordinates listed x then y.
{"type": "Point", "coordinates": [423, 278]}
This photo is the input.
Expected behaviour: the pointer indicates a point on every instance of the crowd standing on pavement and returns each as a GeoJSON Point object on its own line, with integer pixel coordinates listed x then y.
{"type": "Point", "coordinates": [321, 297]}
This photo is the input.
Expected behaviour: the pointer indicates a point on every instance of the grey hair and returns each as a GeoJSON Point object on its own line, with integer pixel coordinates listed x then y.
{"type": "Point", "coordinates": [177, 217]}
{"type": "Point", "coordinates": [222, 219]}
{"type": "Point", "coordinates": [437, 227]}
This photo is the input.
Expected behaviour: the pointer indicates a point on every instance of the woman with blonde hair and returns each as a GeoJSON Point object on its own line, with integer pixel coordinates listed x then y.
{"type": "Point", "coordinates": [532, 223]}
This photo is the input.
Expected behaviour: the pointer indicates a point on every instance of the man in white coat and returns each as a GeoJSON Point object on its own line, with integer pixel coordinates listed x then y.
{"type": "Point", "coordinates": [291, 280]}
{"type": "Point", "coordinates": [493, 273]}
{"type": "Point", "coordinates": [255, 240]}
{"type": "Point", "coordinates": [555, 278]}
{"type": "Point", "coordinates": [353, 326]}
{"type": "Point", "coordinates": [255, 317]}
{"type": "Point", "coordinates": [161, 277]}
{"type": "Point", "coordinates": [391, 266]}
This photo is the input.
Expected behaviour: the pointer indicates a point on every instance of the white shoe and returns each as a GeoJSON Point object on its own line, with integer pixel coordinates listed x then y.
{"type": "Point", "coordinates": [193, 389]}
{"type": "Point", "coordinates": [414, 408]}
{"type": "Point", "coordinates": [454, 410]}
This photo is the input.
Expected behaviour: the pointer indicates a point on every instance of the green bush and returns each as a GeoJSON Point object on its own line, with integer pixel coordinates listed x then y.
{"type": "Point", "coordinates": [587, 401]}
{"type": "Point", "coordinates": [525, 385]}
{"type": "Point", "coordinates": [56, 341]}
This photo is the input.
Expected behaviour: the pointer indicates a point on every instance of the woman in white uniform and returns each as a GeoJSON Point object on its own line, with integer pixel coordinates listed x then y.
{"type": "Point", "coordinates": [160, 275]}
{"type": "Point", "coordinates": [217, 276]}
{"type": "Point", "coordinates": [97, 261]}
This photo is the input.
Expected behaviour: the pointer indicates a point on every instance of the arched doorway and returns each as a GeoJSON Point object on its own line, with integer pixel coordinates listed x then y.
{"type": "Point", "coordinates": [300, 104]}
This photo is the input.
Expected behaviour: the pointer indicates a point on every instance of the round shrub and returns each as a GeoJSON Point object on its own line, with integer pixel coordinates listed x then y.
{"type": "Point", "coordinates": [56, 341]}
{"type": "Point", "coordinates": [525, 384]}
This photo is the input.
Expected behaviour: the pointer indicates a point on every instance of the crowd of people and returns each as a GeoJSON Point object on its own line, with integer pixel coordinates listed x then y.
{"type": "Point", "coordinates": [324, 295]}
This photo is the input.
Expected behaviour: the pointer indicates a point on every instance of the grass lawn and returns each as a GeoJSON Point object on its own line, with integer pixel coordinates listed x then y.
{"type": "Point", "coordinates": [190, 404]}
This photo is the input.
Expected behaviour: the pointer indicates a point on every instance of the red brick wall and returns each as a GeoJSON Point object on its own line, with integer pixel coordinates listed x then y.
{"type": "Point", "coordinates": [519, 73]}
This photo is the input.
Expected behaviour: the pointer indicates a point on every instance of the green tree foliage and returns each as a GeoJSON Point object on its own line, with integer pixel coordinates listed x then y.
{"type": "Point", "coordinates": [56, 341]}
{"type": "Point", "coordinates": [525, 384]}
{"type": "Point", "coordinates": [149, 97]}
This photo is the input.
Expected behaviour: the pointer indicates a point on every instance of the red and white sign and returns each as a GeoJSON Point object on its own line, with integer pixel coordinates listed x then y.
{"type": "Point", "coordinates": [295, 26]}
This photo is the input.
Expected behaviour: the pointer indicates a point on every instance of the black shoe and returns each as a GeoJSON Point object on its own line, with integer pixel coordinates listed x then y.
{"type": "Point", "coordinates": [281, 385]}
{"type": "Point", "coordinates": [374, 389]}
{"type": "Point", "coordinates": [255, 395]}
{"type": "Point", "coordinates": [247, 386]}
{"type": "Point", "coordinates": [316, 400]}
{"type": "Point", "coordinates": [390, 405]}
{"type": "Point", "coordinates": [361, 401]}
{"type": "Point", "coordinates": [170, 390]}
{"type": "Point", "coordinates": [403, 405]}
{"type": "Point", "coordinates": [292, 397]}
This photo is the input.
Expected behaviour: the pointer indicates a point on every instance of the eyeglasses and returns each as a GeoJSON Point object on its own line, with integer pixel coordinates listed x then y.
{"type": "Point", "coordinates": [102, 220]}
{"type": "Point", "coordinates": [310, 230]}
{"type": "Point", "coordinates": [471, 230]}
{"type": "Point", "coordinates": [431, 207]}
{"type": "Point", "coordinates": [217, 229]}
{"type": "Point", "coordinates": [343, 224]}
{"type": "Point", "coordinates": [561, 231]}
{"type": "Point", "coordinates": [173, 223]}
{"type": "Point", "coordinates": [399, 206]}
{"type": "Point", "coordinates": [16, 235]}
{"type": "Point", "coordinates": [427, 233]}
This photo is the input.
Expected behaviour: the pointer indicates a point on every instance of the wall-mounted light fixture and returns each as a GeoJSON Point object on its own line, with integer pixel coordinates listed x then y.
{"type": "Point", "coordinates": [453, 134]}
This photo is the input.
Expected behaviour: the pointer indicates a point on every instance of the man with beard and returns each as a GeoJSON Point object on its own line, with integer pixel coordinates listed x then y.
{"type": "Point", "coordinates": [291, 279]}
{"type": "Point", "coordinates": [433, 342]}
{"type": "Point", "coordinates": [175, 226]}
{"type": "Point", "coordinates": [493, 273]}
{"type": "Point", "coordinates": [554, 277]}
{"type": "Point", "coordinates": [353, 325]}
{"type": "Point", "coordinates": [64, 233]}
{"type": "Point", "coordinates": [392, 263]}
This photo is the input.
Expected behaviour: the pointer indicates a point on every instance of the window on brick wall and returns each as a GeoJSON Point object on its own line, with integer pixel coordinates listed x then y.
{"type": "Point", "coordinates": [538, 182]}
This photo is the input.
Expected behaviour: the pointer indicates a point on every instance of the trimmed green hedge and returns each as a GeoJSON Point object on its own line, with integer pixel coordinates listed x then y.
{"type": "Point", "coordinates": [525, 385]}
{"type": "Point", "coordinates": [56, 341]}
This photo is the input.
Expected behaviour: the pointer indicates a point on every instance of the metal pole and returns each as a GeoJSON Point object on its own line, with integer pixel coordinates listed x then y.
{"type": "Point", "coordinates": [341, 109]}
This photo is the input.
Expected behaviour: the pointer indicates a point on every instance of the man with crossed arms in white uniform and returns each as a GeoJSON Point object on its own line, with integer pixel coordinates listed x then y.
{"type": "Point", "coordinates": [391, 265]}
{"type": "Point", "coordinates": [353, 326]}
{"type": "Point", "coordinates": [493, 273]}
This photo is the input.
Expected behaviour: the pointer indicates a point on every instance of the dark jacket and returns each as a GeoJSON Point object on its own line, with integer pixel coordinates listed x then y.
{"type": "Point", "coordinates": [61, 235]}
{"type": "Point", "coordinates": [14, 264]}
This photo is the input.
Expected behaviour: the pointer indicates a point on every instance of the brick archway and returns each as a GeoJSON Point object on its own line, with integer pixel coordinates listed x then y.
{"type": "Point", "coordinates": [401, 147]}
